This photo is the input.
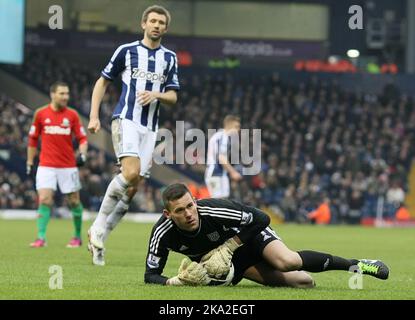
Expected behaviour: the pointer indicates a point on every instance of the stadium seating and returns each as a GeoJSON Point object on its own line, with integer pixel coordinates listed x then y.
{"type": "Point", "coordinates": [17, 190]}
{"type": "Point", "coordinates": [318, 139]}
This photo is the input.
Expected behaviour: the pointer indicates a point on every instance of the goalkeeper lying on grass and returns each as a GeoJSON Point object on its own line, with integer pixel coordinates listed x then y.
{"type": "Point", "coordinates": [227, 241]}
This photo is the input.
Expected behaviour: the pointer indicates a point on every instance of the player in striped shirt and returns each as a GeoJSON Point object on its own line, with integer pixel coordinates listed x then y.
{"type": "Point", "coordinates": [149, 78]}
{"type": "Point", "coordinates": [56, 124]}
{"type": "Point", "coordinates": [219, 169]}
{"type": "Point", "coordinates": [218, 232]}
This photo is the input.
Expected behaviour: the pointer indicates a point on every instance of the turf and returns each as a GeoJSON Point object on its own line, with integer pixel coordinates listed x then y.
{"type": "Point", "coordinates": [24, 272]}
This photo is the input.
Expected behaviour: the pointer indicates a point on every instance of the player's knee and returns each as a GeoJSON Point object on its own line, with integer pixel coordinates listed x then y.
{"type": "Point", "coordinates": [73, 200]}
{"type": "Point", "coordinates": [131, 175]}
{"type": "Point", "coordinates": [288, 262]}
{"type": "Point", "coordinates": [73, 203]}
{"type": "Point", "coordinates": [45, 200]}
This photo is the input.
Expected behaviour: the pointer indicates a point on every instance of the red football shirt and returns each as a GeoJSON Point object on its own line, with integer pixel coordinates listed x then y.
{"type": "Point", "coordinates": [56, 128]}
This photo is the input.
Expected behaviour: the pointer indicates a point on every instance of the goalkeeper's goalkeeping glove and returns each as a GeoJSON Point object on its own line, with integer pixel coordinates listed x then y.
{"type": "Point", "coordinates": [217, 262]}
{"type": "Point", "coordinates": [191, 273]}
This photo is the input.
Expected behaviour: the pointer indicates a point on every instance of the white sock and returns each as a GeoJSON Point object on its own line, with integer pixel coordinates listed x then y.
{"type": "Point", "coordinates": [116, 189]}
{"type": "Point", "coordinates": [115, 217]}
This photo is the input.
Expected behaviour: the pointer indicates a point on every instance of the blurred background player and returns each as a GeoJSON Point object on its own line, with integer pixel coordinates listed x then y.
{"type": "Point", "coordinates": [55, 124]}
{"type": "Point", "coordinates": [219, 169]}
{"type": "Point", "coordinates": [149, 76]}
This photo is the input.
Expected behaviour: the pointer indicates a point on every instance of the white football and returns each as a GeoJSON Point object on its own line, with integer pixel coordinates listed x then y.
{"type": "Point", "coordinates": [225, 280]}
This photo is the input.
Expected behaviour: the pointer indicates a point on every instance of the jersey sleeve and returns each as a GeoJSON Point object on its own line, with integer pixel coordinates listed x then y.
{"type": "Point", "coordinates": [79, 130]}
{"type": "Point", "coordinates": [172, 82]}
{"type": "Point", "coordinates": [253, 221]}
{"type": "Point", "coordinates": [116, 64]}
{"type": "Point", "coordinates": [249, 220]}
{"type": "Point", "coordinates": [156, 256]}
{"type": "Point", "coordinates": [35, 130]}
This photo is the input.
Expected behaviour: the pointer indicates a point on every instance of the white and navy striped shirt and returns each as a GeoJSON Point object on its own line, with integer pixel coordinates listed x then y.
{"type": "Point", "coordinates": [142, 68]}
{"type": "Point", "coordinates": [219, 144]}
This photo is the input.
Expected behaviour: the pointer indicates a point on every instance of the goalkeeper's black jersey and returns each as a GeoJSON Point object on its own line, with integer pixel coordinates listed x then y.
{"type": "Point", "coordinates": [219, 220]}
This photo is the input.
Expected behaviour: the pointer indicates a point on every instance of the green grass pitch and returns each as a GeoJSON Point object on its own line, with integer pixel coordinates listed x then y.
{"type": "Point", "coordinates": [24, 272]}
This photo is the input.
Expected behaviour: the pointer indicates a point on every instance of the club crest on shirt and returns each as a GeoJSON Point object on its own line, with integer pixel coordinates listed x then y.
{"type": "Point", "coordinates": [153, 261]}
{"type": "Point", "coordinates": [65, 122]}
{"type": "Point", "coordinates": [214, 236]}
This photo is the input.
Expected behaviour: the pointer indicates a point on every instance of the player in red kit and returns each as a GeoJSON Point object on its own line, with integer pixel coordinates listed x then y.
{"type": "Point", "coordinates": [56, 124]}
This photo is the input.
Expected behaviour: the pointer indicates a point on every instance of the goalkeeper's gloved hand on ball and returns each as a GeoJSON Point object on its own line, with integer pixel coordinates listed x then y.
{"type": "Point", "coordinates": [80, 160]}
{"type": "Point", "coordinates": [190, 273]}
{"type": "Point", "coordinates": [217, 262]}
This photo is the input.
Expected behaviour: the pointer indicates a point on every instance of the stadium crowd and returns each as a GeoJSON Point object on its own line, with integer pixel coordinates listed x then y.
{"type": "Point", "coordinates": [319, 142]}
{"type": "Point", "coordinates": [17, 190]}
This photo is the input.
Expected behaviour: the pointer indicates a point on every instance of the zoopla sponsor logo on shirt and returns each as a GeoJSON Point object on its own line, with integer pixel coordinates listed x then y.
{"type": "Point", "coordinates": [254, 49]}
{"type": "Point", "coordinates": [57, 130]}
{"type": "Point", "coordinates": [148, 75]}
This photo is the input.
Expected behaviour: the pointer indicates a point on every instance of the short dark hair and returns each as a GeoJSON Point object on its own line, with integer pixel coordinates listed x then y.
{"type": "Point", "coordinates": [173, 192]}
{"type": "Point", "coordinates": [57, 84]}
{"type": "Point", "coordinates": [157, 9]}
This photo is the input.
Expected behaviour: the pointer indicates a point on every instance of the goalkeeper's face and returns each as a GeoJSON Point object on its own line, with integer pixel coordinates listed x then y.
{"type": "Point", "coordinates": [183, 212]}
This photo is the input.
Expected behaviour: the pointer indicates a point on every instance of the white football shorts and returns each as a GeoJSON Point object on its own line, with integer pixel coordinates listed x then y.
{"type": "Point", "coordinates": [218, 186]}
{"type": "Point", "coordinates": [66, 178]}
{"type": "Point", "coordinates": [131, 140]}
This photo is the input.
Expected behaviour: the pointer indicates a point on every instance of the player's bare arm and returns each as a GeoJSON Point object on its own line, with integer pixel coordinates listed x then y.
{"type": "Point", "coordinates": [31, 149]}
{"type": "Point", "coordinates": [83, 151]}
{"type": "Point", "coordinates": [83, 148]}
{"type": "Point", "coordinates": [168, 98]}
{"type": "Point", "coordinates": [31, 154]}
{"type": "Point", "coordinates": [98, 93]}
{"type": "Point", "coordinates": [235, 175]}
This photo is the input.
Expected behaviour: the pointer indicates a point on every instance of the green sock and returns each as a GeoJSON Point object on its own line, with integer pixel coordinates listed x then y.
{"type": "Point", "coordinates": [42, 220]}
{"type": "Point", "coordinates": [77, 219]}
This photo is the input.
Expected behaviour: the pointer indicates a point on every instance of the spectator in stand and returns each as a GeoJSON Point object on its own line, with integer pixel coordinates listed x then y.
{"type": "Point", "coordinates": [322, 214]}
{"type": "Point", "coordinates": [356, 203]}
{"type": "Point", "coordinates": [16, 189]}
{"type": "Point", "coordinates": [289, 204]}
{"type": "Point", "coordinates": [395, 197]}
{"type": "Point", "coordinates": [315, 134]}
